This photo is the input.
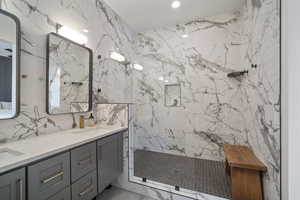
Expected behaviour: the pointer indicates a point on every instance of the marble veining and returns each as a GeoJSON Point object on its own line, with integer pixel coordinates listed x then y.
{"type": "Point", "coordinates": [38, 18]}
{"type": "Point", "coordinates": [214, 109]}
{"type": "Point", "coordinates": [111, 114]}
{"type": "Point", "coordinates": [200, 65]}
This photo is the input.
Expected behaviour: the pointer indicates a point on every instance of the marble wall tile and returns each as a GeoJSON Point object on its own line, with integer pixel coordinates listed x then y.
{"type": "Point", "coordinates": [111, 114]}
{"type": "Point", "coordinates": [215, 109]}
{"type": "Point", "coordinates": [38, 18]}
{"type": "Point", "coordinates": [211, 112]}
{"type": "Point", "coordinates": [261, 34]}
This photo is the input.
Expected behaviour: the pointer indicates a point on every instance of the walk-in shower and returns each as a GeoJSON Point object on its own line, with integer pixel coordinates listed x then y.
{"type": "Point", "coordinates": [206, 82]}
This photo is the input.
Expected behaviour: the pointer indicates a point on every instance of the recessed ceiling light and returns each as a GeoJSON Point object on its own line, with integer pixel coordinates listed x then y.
{"type": "Point", "coordinates": [185, 36]}
{"type": "Point", "coordinates": [166, 81]}
{"type": "Point", "coordinates": [161, 78]}
{"type": "Point", "coordinates": [85, 30]}
{"type": "Point", "coordinates": [176, 4]}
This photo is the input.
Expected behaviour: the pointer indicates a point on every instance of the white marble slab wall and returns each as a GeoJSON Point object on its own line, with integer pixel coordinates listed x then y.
{"type": "Point", "coordinates": [215, 109]}
{"type": "Point", "coordinates": [261, 39]}
{"type": "Point", "coordinates": [211, 110]}
{"type": "Point", "coordinates": [111, 114]}
{"type": "Point", "coordinates": [107, 32]}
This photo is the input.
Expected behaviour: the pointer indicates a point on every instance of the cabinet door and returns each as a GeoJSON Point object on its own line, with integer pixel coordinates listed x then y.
{"type": "Point", "coordinates": [110, 160]}
{"type": "Point", "coordinates": [120, 152]}
{"type": "Point", "coordinates": [12, 185]}
{"type": "Point", "coordinates": [107, 161]}
{"type": "Point", "coordinates": [48, 177]}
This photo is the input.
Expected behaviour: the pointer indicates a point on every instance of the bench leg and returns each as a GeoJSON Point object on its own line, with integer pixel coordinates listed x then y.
{"type": "Point", "coordinates": [246, 184]}
{"type": "Point", "coordinates": [227, 168]}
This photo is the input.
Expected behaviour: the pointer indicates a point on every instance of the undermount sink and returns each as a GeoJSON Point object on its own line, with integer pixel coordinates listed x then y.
{"type": "Point", "coordinates": [87, 129]}
{"type": "Point", "coordinates": [6, 153]}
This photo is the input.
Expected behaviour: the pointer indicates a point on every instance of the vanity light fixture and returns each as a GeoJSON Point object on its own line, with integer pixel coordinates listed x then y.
{"type": "Point", "coordinates": [166, 81]}
{"type": "Point", "coordinates": [138, 67]}
{"type": "Point", "coordinates": [185, 36]}
{"type": "Point", "coordinates": [176, 4]}
{"type": "Point", "coordinates": [117, 56]}
{"type": "Point", "coordinates": [72, 35]}
{"type": "Point", "coordinates": [161, 78]}
{"type": "Point", "coordinates": [85, 30]}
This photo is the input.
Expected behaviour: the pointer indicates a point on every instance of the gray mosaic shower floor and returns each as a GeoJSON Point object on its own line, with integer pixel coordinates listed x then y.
{"type": "Point", "coordinates": [199, 175]}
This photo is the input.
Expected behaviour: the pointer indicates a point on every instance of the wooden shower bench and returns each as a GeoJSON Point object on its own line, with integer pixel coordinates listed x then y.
{"type": "Point", "coordinates": [245, 171]}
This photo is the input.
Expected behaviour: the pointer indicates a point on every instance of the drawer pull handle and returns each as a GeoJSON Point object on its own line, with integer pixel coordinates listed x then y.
{"type": "Point", "coordinates": [83, 161]}
{"type": "Point", "coordinates": [53, 177]}
{"type": "Point", "coordinates": [21, 189]}
{"type": "Point", "coordinates": [86, 191]}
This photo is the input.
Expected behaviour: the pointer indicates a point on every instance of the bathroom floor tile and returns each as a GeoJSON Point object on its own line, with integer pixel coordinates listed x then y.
{"type": "Point", "coordinates": [115, 193]}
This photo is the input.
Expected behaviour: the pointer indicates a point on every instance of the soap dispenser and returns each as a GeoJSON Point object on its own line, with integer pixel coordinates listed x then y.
{"type": "Point", "coordinates": [91, 121]}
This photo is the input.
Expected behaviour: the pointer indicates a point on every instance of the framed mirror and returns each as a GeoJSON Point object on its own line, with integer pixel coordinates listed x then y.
{"type": "Point", "coordinates": [69, 76]}
{"type": "Point", "coordinates": [9, 65]}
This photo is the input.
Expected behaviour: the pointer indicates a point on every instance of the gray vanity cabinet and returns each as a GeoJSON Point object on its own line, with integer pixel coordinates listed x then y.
{"type": "Point", "coordinates": [12, 185]}
{"type": "Point", "coordinates": [83, 161]}
{"type": "Point", "coordinates": [49, 177]}
{"type": "Point", "coordinates": [78, 174]}
{"type": "Point", "coordinates": [110, 158]}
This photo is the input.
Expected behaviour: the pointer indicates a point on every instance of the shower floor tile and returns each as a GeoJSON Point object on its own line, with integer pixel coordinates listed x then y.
{"type": "Point", "coordinates": [199, 175]}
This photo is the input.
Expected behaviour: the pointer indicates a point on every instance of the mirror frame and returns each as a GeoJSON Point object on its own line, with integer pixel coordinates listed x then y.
{"type": "Point", "coordinates": [18, 57]}
{"type": "Point", "coordinates": [48, 68]}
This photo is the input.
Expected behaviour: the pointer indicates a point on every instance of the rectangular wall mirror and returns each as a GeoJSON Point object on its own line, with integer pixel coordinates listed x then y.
{"type": "Point", "coordinates": [9, 65]}
{"type": "Point", "coordinates": [69, 76]}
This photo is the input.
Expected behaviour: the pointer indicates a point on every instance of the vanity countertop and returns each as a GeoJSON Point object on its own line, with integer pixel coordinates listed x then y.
{"type": "Point", "coordinates": [36, 148]}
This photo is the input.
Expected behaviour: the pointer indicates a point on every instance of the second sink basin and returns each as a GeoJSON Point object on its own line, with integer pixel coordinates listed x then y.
{"type": "Point", "coordinates": [6, 153]}
{"type": "Point", "coordinates": [87, 129]}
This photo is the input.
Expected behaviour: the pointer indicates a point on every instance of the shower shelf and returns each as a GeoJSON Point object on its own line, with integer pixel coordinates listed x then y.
{"type": "Point", "coordinates": [237, 74]}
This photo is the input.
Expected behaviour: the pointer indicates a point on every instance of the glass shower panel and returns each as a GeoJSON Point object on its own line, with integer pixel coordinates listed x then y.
{"type": "Point", "coordinates": [207, 82]}
{"type": "Point", "coordinates": [166, 150]}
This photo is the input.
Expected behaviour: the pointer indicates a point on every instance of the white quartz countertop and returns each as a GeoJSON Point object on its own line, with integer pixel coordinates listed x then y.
{"type": "Point", "coordinates": [37, 148]}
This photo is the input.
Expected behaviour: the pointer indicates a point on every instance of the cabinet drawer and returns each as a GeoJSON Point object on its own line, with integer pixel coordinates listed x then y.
{"type": "Point", "coordinates": [83, 161]}
{"type": "Point", "coordinates": [63, 195]}
{"type": "Point", "coordinates": [107, 139]}
{"type": "Point", "coordinates": [48, 177]}
{"type": "Point", "coordinates": [85, 188]}
{"type": "Point", "coordinates": [12, 185]}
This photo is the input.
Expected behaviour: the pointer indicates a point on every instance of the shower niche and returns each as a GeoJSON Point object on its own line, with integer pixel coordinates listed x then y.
{"type": "Point", "coordinates": [172, 95]}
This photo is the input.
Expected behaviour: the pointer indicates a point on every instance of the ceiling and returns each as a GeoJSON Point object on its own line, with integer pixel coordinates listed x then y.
{"type": "Point", "coordinates": [142, 15]}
